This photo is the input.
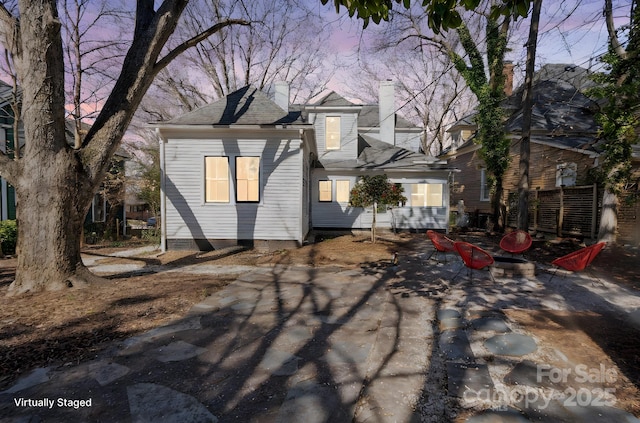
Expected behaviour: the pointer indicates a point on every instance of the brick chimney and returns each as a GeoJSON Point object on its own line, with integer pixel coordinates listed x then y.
{"type": "Point", "coordinates": [507, 71]}
{"type": "Point", "coordinates": [387, 112]}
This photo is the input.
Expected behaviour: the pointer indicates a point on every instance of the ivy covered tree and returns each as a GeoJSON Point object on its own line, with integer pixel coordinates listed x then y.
{"type": "Point", "coordinates": [376, 191]}
{"type": "Point", "coordinates": [619, 86]}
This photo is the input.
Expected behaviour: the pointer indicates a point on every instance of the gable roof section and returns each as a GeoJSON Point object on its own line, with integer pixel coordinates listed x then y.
{"type": "Point", "coordinates": [557, 109]}
{"type": "Point", "coordinates": [562, 116]}
{"type": "Point", "coordinates": [333, 99]}
{"type": "Point", "coordinates": [246, 106]}
{"type": "Point", "coordinates": [379, 155]}
{"type": "Point", "coordinates": [369, 117]}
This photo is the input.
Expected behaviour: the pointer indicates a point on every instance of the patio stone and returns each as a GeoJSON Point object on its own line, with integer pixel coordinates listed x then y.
{"type": "Point", "coordinates": [490, 324]}
{"type": "Point", "coordinates": [512, 344]}
{"type": "Point", "coordinates": [469, 380]}
{"type": "Point", "coordinates": [150, 402]}
{"type": "Point", "coordinates": [507, 416]}
{"type": "Point", "coordinates": [455, 345]}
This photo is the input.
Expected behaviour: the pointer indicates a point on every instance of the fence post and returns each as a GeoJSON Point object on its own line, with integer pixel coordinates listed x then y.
{"type": "Point", "coordinates": [536, 210]}
{"type": "Point", "coordinates": [594, 211]}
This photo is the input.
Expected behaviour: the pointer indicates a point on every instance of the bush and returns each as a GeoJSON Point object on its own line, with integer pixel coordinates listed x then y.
{"type": "Point", "coordinates": [8, 236]}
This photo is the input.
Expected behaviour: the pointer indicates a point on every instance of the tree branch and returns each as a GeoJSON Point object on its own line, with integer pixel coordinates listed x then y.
{"type": "Point", "coordinates": [9, 169]}
{"type": "Point", "coordinates": [9, 31]}
{"type": "Point", "coordinates": [611, 29]}
{"type": "Point", "coordinates": [162, 63]}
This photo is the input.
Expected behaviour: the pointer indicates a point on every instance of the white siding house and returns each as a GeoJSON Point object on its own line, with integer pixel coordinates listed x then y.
{"type": "Point", "coordinates": [247, 169]}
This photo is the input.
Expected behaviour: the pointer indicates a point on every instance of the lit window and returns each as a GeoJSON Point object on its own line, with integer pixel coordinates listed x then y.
{"type": "Point", "coordinates": [426, 195]}
{"type": "Point", "coordinates": [332, 132]}
{"type": "Point", "coordinates": [484, 186]}
{"type": "Point", "coordinates": [342, 191]}
{"type": "Point", "coordinates": [216, 180]}
{"type": "Point", "coordinates": [247, 179]}
{"type": "Point", "coordinates": [324, 189]}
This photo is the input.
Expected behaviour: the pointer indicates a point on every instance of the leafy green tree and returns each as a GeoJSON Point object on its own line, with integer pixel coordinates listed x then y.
{"type": "Point", "coordinates": [620, 116]}
{"type": "Point", "coordinates": [376, 191]}
{"type": "Point", "coordinates": [443, 14]}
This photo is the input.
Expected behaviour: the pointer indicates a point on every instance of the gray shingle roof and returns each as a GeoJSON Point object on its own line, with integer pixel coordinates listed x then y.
{"type": "Point", "coordinates": [558, 109]}
{"type": "Point", "coordinates": [334, 100]}
{"type": "Point", "coordinates": [369, 117]}
{"type": "Point", "coordinates": [378, 155]}
{"type": "Point", "coordinates": [246, 106]}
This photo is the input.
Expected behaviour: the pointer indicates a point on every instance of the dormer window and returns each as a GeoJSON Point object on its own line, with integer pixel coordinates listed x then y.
{"type": "Point", "coordinates": [332, 132]}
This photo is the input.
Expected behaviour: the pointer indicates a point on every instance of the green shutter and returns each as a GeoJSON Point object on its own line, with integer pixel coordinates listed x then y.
{"type": "Point", "coordinates": [11, 202]}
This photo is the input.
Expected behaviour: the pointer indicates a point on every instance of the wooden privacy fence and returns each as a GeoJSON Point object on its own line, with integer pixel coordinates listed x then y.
{"type": "Point", "coordinates": [562, 211]}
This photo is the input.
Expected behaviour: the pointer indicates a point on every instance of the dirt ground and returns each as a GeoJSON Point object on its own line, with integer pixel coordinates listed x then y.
{"type": "Point", "coordinates": [55, 328]}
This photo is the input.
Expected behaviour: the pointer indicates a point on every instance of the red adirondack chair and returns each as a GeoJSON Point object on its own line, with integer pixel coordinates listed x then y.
{"type": "Point", "coordinates": [473, 257]}
{"type": "Point", "coordinates": [441, 243]}
{"type": "Point", "coordinates": [516, 242]}
{"type": "Point", "coordinates": [578, 260]}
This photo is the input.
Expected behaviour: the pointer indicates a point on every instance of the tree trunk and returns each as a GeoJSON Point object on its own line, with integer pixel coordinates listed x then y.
{"type": "Point", "coordinates": [497, 207]}
{"type": "Point", "coordinates": [48, 222]}
{"type": "Point", "coordinates": [525, 148]}
{"type": "Point", "coordinates": [373, 223]}
{"type": "Point", "coordinates": [608, 217]}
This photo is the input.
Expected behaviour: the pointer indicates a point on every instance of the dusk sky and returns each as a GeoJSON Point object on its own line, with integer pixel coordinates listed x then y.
{"type": "Point", "coordinates": [579, 39]}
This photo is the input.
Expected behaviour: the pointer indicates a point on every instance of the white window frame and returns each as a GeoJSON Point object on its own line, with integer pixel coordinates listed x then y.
{"type": "Point", "coordinates": [249, 181]}
{"type": "Point", "coordinates": [566, 174]}
{"type": "Point", "coordinates": [330, 143]}
{"type": "Point", "coordinates": [424, 195]}
{"type": "Point", "coordinates": [216, 179]}
{"type": "Point", "coordinates": [327, 183]}
{"type": "Point", "coordinates": [485, 195]}
{"type": "Point", "coordinates": [340, 192]}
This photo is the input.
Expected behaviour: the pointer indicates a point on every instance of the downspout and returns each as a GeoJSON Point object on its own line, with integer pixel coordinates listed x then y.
{"type": "Point", "coordinates": [163, 200]}
{"type": "Point", "coordinates": [450, 183]}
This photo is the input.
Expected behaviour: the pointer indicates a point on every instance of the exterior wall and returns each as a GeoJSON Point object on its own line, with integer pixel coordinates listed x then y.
{"type": "Point", "coordinates": [341, 215]}
{"type": "Point", "coordinates": [348, 133]}
{"type": "Point", "coordinates": [544, 159]}
{"type": "Point", "coordinates": [277, 216]}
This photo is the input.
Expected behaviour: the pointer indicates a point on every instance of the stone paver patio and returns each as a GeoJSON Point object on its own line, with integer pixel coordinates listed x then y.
{"type": "Point", "coordinates": [389, 344]}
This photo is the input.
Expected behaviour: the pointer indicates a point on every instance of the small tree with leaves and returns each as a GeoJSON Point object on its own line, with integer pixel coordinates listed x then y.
{"type": "Point", "coordinates": [376, 191]}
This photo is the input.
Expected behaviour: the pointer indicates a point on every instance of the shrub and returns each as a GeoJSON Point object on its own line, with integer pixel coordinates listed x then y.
{"type": "Point", "coordinates": [8, 236]}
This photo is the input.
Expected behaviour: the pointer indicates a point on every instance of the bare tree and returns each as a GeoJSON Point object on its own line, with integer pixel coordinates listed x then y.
{"type": "Point", "coordinates": [430, 94]}
{"type": "Point", "coordinates": [88, 57]}
{"type": "Point", "coordinates": [55, 182]}
{"type": "Point", "coordinates": [525, 148]}
{"type": "Point", "coordinates": [282, 44]}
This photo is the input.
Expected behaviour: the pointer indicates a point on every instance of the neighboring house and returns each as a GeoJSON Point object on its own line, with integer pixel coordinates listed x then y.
{"type": "Point", "coordinates": [249, 169]}
{"type": "Point", "coordinates": [563, 140]}
{"type": "Point", "coordinates": [102, 214]}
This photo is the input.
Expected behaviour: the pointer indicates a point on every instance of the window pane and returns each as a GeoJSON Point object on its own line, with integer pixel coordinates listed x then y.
{"type": "Point", "coordinates": [248, 178]}
{"type": "Point", "coordinates": [342, 191]}
{"type": "Point", "coordinates": [426, 195]}
{"type": "Point", "coordinates": [332, 132]}
{"type": "Point", "coordinates": [434, 195]}
{"type": "Point", "coordinates": [324, 188]}
{"type": "Point", "coordinates": [484, 188]}
{"type": "Point", "coordinates": [216, 179]}
{"type": "Point", "coordinates": [418, 194]}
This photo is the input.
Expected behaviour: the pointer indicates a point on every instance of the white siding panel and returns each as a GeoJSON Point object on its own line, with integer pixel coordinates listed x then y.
{"type": "Point", "coordinates": [276, 217]}
{"type": "Point", "coordinates": [349, 137]}
{"type": "Point", "coordinates": [336, 215]}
